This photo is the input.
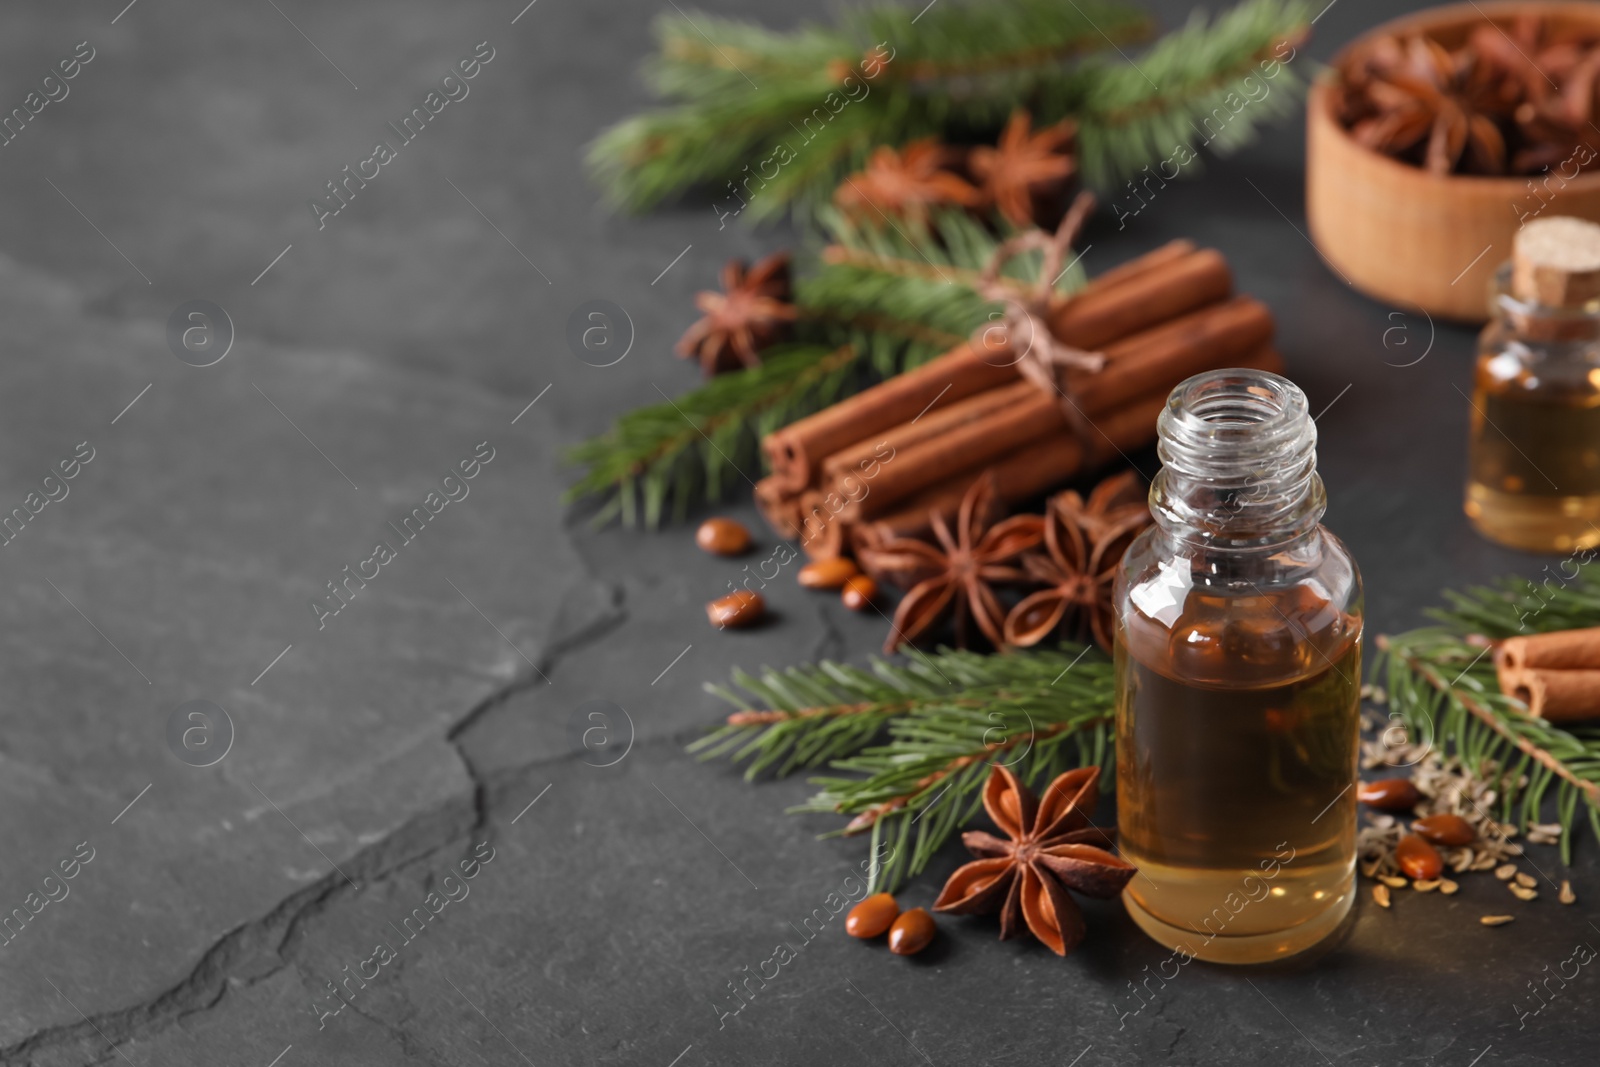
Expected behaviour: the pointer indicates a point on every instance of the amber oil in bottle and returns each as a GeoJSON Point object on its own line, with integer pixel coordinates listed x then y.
{"type": "Point", "coordinates": [1533, 479]}
{"type": "Point", "coordinates": [1238, 664]}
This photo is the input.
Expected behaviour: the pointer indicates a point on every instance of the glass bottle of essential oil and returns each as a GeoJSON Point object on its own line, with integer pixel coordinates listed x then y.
{"type": "Point", "coordinates": [1238, 665]}
{"type": "Point", "coordinates": [1533, 478]}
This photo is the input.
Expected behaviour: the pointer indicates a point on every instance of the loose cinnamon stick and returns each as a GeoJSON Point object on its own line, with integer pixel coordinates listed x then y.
{"type": "Point", "coordinates": [1152, 288]}
{"type": "Point", "coordinates": [1554, 695]}
{"type": "Point", "coordinates": [1162, 357]}
{"type": "Point", "coordinates": [1559, 650]}
{"type": "Point", "coordinates": [1034, 469]}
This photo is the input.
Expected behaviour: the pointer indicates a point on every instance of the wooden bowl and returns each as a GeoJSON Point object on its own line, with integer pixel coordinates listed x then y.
{"type": "Point", "coordinates": [1414, 239]}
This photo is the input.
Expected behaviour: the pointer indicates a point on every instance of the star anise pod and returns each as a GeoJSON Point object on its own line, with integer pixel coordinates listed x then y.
{"type": "Point", "coordinates": [1111, 501]}
{"type": "Point", "coordinates": [1556, 71]}
{"type": "Point", "coordinates": [958, 575]}
{"type": "Point", "coordinates": [750, 313]}
{"type": "Point", "coordinates": [1077, 569]}
{"type": "Point", "coordinates": [1048, 853]}
{"type": "Point", "coordinates": [1025, 167]}
{"type": "Point", "coordinates": [906, 183]}
{"type": "Point", "coordinates": [1537, 54]}
{"type": "Point", "coordinates": [1421, 96]}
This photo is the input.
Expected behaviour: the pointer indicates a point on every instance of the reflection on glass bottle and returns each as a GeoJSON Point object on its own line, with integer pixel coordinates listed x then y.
{"type": "Point", "coordinates": [1533, 478]}
{"type": "Point", "coordinates": [1238, 659]}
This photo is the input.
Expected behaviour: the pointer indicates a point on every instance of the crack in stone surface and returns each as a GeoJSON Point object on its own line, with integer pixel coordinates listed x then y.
{"type": "Point", "coordinates": [257, 950]}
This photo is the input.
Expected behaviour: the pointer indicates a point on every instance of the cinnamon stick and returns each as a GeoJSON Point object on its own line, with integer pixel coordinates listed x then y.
{"type": "Point", "coordinates": [1161, 357]}
{"type": "Point", "coordinates": [1106, 310]}
{"type": "Point", "coordinates": [822, 530]}
{"type": "Point", "coordinates": [1034, 469]}
{"type": "Point", "coordinates": [1559, 650]}
{"type": "Point", "coordinates": [780, 510]}
{"type": "Point", "coordinates": [859, 458]}
{"type": "Point", "coordinates": [1160, 285]}
{"type": "Point", "coordinates": [793, 451]}
{"type": "Point", "coordinates": [1554, 695]}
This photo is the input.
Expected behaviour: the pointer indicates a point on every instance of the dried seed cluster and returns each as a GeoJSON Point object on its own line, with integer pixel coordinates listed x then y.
{"type": "Point", "coordinates": [1451, 799]}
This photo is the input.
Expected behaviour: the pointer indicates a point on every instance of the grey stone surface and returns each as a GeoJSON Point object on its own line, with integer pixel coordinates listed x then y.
{"type": "Point", "coordinates": [378, 752]}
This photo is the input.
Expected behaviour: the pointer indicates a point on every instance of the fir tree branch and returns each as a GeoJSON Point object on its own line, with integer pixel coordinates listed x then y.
{"type": "Point", "coordinates": [776, 119]}
{"type": "Point", "coordinates": [1500, 722]}
{"type": "Point", "coordinates": [878, 303]}
{"type": "Point", "coordinates": [1441, 682]}
{"type": "Point", "coordinates": [948, 716]}
{"type": "Point", "coordinates": [683, 450]}
{"type": "Point", "coordinates": [1191, 88]}
{"type": "Point", "coordinates": [902, 297]}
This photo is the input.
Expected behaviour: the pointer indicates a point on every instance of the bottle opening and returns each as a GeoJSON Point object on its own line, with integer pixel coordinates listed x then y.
{"type": "Point", "coordinates": [1239, 456]}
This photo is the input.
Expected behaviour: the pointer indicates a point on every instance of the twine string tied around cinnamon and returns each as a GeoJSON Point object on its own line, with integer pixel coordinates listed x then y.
{"type": "Point", "coordinates": [1044, 359]}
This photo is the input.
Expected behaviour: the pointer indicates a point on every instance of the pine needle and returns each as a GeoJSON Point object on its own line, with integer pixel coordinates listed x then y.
{"type": "Point", "coordinates": [1206, 84]}
{"type": "Point", "coordinates": [1442, 685]}
{"type": "Point", "coordinates": [688, 450]}
{"type": "Point", "coordinates": [917, 740]}
{"type": "Point", "coordinates": [877, 303]}
{"type": "Point", "coordinates": [768, 122]}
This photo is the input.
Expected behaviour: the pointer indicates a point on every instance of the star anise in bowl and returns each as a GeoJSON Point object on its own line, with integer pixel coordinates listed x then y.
{"type": "Point", "coordinates": [750, 313]}
{"type": "Point", "coordinates": [1509, 99]}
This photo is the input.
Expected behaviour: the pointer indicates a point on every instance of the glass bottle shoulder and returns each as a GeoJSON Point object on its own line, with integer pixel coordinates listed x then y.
{"type": "Point", "coordinates": [1508, 364]}
{"type": "Point", "coordinates": [1239, 619]}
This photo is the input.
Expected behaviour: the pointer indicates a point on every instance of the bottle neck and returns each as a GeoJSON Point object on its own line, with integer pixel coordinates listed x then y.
{"type": "Point", "coordinates": [1546, 329]}
{"type": "Point", "coordinates": [1239, 456]}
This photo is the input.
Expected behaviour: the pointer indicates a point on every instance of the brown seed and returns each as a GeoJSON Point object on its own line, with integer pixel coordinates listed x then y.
{"type": "Point", "coordinates": [1527, 880]}
{"type": "Point", "coordinates": [1380, 893]}
{"type": "Point", "coordinates": [828, 573]}
{"type": "Point", "coordinates": [1389, 794]}
{"type": "Point", "coordinates": [1426, 885]}
{"type": "Point", "coordinates": [859, 593]}
{"type": "Point", "coordinates": [1495, 920]}
{"type": "Point", "coordinates": [911, 932]}
{"type": "Point", "coordinates": [1418, 858]}
{"type": "Point", "coordinates": [1567, 895]}
{"type": "Point", "coordinates": [1392, 881]}
{"type": "Point", "coordinates": [1505, 870]}
{"type": "Point", "coordinates": [872, 916]}
{"type": "Point", "coordinates": [739, 608]}
{"type": "Point", "coordinates": [1445, 829]}
{"type": "Point", "coordinates": [722, 537]}
{"type": "Point", "coordinates": [1447, 887]}
{"type": "Point", "coordinates": [1522, 892]}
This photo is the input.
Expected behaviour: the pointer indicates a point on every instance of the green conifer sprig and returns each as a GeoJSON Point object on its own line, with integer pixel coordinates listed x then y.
{"type": "Point", "coordinates": [942, 720]}
{"type": "Point", "coordinates": [688, 449]}
{"type": "Point", "coordinates": [902, 294]}
{"type": "Point", "coordinates": [1190, 89]}
{"type": "Point", "coordinates": [1441, 683]}
{"type": "Point", "coordinates": [766, 121]}
{"type": "Point", "coordinates": [879, 301]}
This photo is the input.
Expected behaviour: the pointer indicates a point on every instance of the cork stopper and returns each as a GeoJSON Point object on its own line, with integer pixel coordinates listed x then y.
{"type": "Point", "coordinates": [1555, 262]}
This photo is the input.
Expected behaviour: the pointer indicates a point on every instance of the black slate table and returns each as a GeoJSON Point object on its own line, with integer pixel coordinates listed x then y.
{"type": "Point", "coordinates": [439, 722]}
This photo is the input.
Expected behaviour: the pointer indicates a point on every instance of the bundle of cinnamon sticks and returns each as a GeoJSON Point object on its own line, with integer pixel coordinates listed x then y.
{"type": "Point", "coordinates": [1557, 674]}
{"type": "Point", "coordinates": [880, 463]}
